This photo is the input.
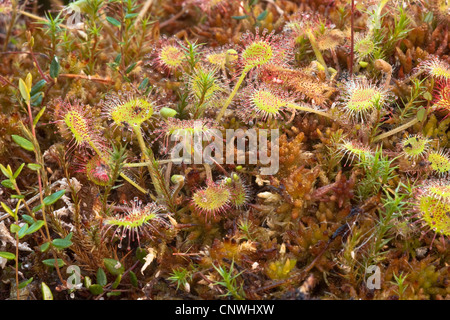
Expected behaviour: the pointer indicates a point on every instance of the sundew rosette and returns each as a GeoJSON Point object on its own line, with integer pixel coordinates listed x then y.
{"type": "Point", "coordinates": [136, 221]}
{"type": "Point", "coordinates": [258, 51]}
{"type": "Point", "coordinates": [127, 110]}
{"type": "Point", "coordinates": [352, 150]}
{"type": "Point", "coordinates": [240, 192]}
{"type": "Point", "coordinates": [330, 39]}
{"type": "Point", "coordinates": [439, 162]}
{"type": "Point", "coordinates": [435, 67]}
{"type": "Point", "coordinates": [97, 171]}
{"type": "Point", "coordinates": [415, 146]}
{"type": "Point", "coordinates": [360, 98]}
{"type": "Point", "coordinates": [212, 201]}
{"type": "Point", "coordinates": [434, 214]}
{"type": "Point", "coordinates": [262, 49]}
{"type": "Point", "coordinates": [364, 46]}
{"type": "Point", "coordinates": [76, 124]}
{"type": "Point", "coordinates": [168, 56]}
{"type": "Point", "coordinates": [442, 96]}
{"type": "Point", "coordinates": [263, 102]}
{"type": "Point", "coordinates": [130, 111]}
{"type": "Point", "coordinates": [438, 188]}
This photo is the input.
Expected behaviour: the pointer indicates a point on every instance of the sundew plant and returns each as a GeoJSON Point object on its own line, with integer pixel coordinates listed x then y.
{"type": "Point", "coordinates": [136, 138]}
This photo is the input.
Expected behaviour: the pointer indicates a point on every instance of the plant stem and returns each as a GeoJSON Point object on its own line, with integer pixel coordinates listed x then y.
{"type": "Point", "coordinates": [148, 157]}
{"type": "Point", "coordinates": [143, 164]}
{"type": "Point", "coordinates": [396, 130]}
{"type": "Point", "coordinates": [352, 39]}
{"type": "Point", "coordinates": [17, 265]}
{"type": "Point", "coordinates": [317, 52]}
{"type": "Point", "coordinates": [232, 94]}
{"type": "Point", "coordinates": [40, 161]}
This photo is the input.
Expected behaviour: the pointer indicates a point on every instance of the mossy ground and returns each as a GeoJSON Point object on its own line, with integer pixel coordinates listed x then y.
{"type": "Point", "coordinates": [347, 195]}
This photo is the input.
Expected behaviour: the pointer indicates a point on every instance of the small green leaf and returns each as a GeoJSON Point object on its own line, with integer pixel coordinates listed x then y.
{"type": "Point", "coordinates": [131, 15]}
{"type": "Point", "coordinates": [14, 228]}
{"type": "Point", "coordinates": [46, 292]}
{"type": "Point", "coordinates": [18, 196]}
{"type": "Point", "coordinates": [37, 208]}
{"type": "Point", "coordinates": [35, 226]}
{"type": "Point", "coordinates": [7, 255]}
{"type": "Point", "coordinates": [24, 143]}
{"type": "Point", "coordinates": [51, 262]}
{"type": "Point", "coordinates": [61, 243]}
{"type": "Point", "coordinates": [113, 294]}
{"type": "Point", "coordinates": [6, 172]}
{"type": "Point", "coordinates": [101, 277]}
{"type": "Point", "coordinates": [113, 21]}
{"type": "Point", "coordinates": [28, 219]}
{"type": "Point", "coordinates": [69, 236]}
{"type": "Point", "coordinates": [143, 84]}
{"type": "Point", "coordinates": [29, 81]}
{"type": "Point", "coordinates": [36, 100]}
{"type": "Point", "coordinates": [23, 231]}
{"type": "Point", "coordinates": [87, 282]}
{"type": "Point", "coordinates": [262, 15]}
{"type": "Point", "coordinates": [34, 166]}
{"type": "Point", "coordinates": [96, 289]}
{"type": "Point", "coordinates": [7, 184]}
{"type": "Point", "coordinates": [45, 246]}
{"type": "Point", "coordinates": [240, 17]}
{"type": "Point", "coordinates": [37, 87]}
{"type": "Point", "coordinates": [54, 67]}
{"type": "Point", "coordinates": [421, 113]}
{"type": "Point", "coordinates": [19, 170]}
{"type": "Point", "coordinates": [428, 96]}
{"type": "Point", "coordinates": [130, 68]}
{"type": "Point", "coordinates": [114, 267]}
{"type": "Point", "coordinates": [51, 199]}
{"type": "Point", "coordinates": [116, 282]}
{"type": "Point", "coordinates": [23, 284]}
{"type": "Point", "coordinates": [133, 279]}
{"type": "Point", "coordinates": [24, 92]}
{"type": "Point", "coordinates": [8, 210]}
{"type": "Point", "coordinates": [38, 116]}
{"type": "Point", "coordinates": [118, 58]}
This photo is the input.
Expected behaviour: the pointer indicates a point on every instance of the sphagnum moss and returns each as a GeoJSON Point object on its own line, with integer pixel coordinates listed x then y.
{"type": "Point", "coordinates": [345, 189]}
